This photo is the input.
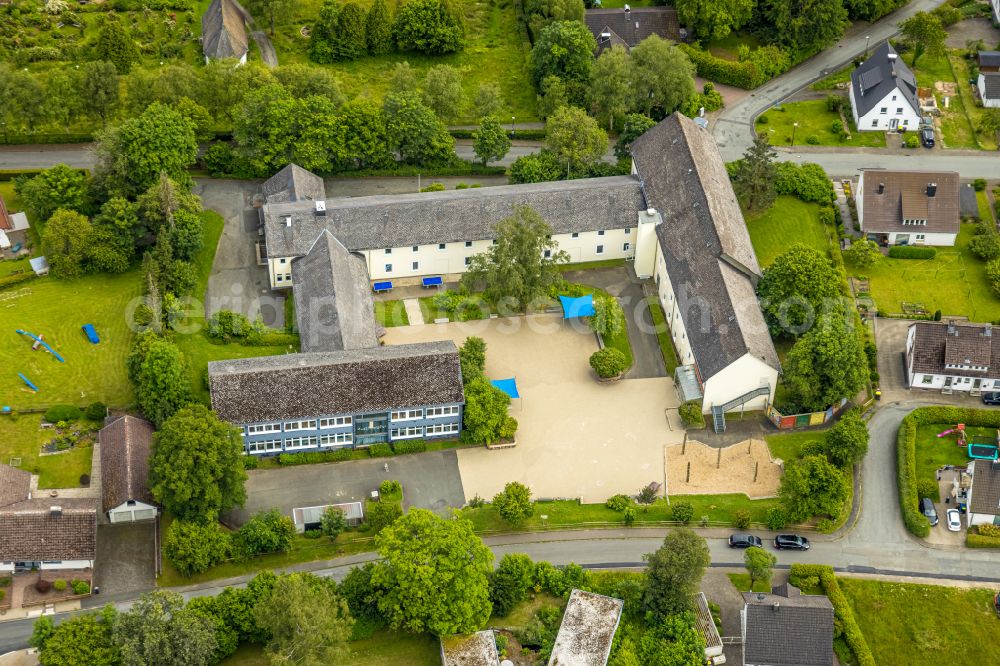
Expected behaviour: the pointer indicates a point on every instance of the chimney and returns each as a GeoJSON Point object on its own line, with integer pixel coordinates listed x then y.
{"type": "Point", "coordinates": [775, 606]}
{"type": "Point", "coordinates": [951, 327]}
{"type": "Point", "coordinates": [881, 188]}
{"type": "Point", "coordinates": [651, 211]}
{"type": "Point", "coordinates": [931, 189]}
{"type": "Point", "coordinates": [55, 511]}
{"type": "Point", "coordinates": [288, 220]}
{"type": "Point", "coordinates": [628, 9]}
{"type": "Point", "coordinates": [892, 57]}
{"type": "Point", "coordinates": [320, 208]}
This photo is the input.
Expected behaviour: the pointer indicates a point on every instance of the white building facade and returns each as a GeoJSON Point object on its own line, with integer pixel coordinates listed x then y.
{"type": "Point", "coordinates": [883, 93]}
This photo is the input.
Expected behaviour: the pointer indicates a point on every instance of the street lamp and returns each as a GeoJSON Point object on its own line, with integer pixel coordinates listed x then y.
{"type": "Point", "coordinates": [794, 125]}
{"type": "Point", "coordinates": [512, 127]}
{"type": "Point", "coordinates": [867, 40]}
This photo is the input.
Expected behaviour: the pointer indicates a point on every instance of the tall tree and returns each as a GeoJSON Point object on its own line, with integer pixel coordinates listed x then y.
{"type": "Point", "coordinates": [65, 242]}
{"type": "Point", "coordinates": [674, 572]}
{"type": "Point", "coordinates": [847, 441]}
{"type": "Point", "coordinates": [59, 186]}
{"type": "Point", "coordinates": [270, 9]}
{"type": "Point", "coordinates": [755, 174]}
{"type": "Point", "coordinates": [575, 138]}
{"type": "Point", "coordinates": [925, 34]}
{"type": "Point", "coordinates": [826, 364]}
{"type": "Point", "coordinates": [27, 96]}
{"type": "Point", "coordinates": [443, 91]}
{"type": "Point", "coordinates": [378, 28]}
{"type": "Point", "coordinates": [635, 126]}
{"type": "Point", "coordinates": [812, 486]}
{"type": "Point", "coordinates": [514, 503]}
{"type": "Point", "coordinates": [490, 142]}
{"type": "Point", "coordinates": [796, 288]}
{"type": "Point", "coordinates": [510, 582]}
{"type": "Point", "coordinates": [488, 100]}
{"type": "Point", "coordinates": [611, 85]}
{"type": "Point", "coordinates": [664, 77]}
{"type": "Point", "coordinates": [433, 27]}
{"type": "Point", "coordinates": [805, 26]}
{"type": "Point", "coordinates": [714, 19]}
{"type": "Point", "coordinates": [564, 49]}
{"type": "Point", "coordinates": [485, 419]}
{"type": "Point", "coordinates": [164, 383]}
{"type": "Point", "coordinates": [472, 358]}
{"type": "Point", "coordinates": [116, 45]}
{"type": "Point", "coordinates": [543, 12]}
{"type": "Point", "coordinates": [323, 40]}
{"type": "Point", "coordinates": [365, 142]}
{"type": "Point", "coordinates": [434, 575]}
{"type": "Point", "coordinates": [415, 133]}
{"type": "Point", "coordinates": [351, 41]}
{"type": "Point", "coordinates": [158, 631]}
{"type": "Point", "coordinates": [521, 265]}
{"type": "Point", "coordinates": [403, 79]}
{"type": "Point", "coordinates": [196, 467]}
{"type": "Point", "coordinates": [99, 89]}
{"type": "Point", "coordinates": [303, 81]}
{"type": "Point", "coordinates": [308, 621]}
{"type": "Point", "coordinates": [864, 253]}
{"type": "Point", "coordinates": [759, 564]}
{"type": "Point", "coordinates": [81, 639]}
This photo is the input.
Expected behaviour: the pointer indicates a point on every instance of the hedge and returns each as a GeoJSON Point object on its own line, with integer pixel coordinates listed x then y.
{"type": "Point", "coordinates": [841, 608]}
{"type": "Point", "coordinates": [533, 134]}
{"type": "Point", "coordinates": [912, 252]}
{"type": "Point", "coordinates": [744, 74]}
{"type": "Point", "coordinates": [981, 541]}
{"type": "Point", "coordinates": [57, 413]}
{"type": "Point", "coordinates": [313, 457]}
{"type": "Point", "coordinates": [409, 446]}
{"type": "Point", "coordinates": [16, 278]}
{"type": "Point", "coordinates": [381, 450]}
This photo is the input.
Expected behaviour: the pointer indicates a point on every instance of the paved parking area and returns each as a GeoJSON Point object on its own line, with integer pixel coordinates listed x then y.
{"type": "Point", "coordinates": [940, 534]}
{"type": "Point", "coordinates": [126, 557]}
{"type": "Point", "coordinates": [430, 481]}
{"type": "Point", "coordinates": [578, 437]}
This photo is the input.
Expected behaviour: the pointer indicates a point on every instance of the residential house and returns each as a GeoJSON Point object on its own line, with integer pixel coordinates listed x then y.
{"type": "Point", "coordinates": [224, 32]}
{"type": "Point", "coordinates": [984, 493]}
{"type": "Point", "coordinates": [319, 401]}
{"type": "Point", "coordinates": [310, 517]}
{"type": "Point", "coordinates": [909, 207]}
{"type": "Point", "coordinates": [13, 227]}
{"type": "Point", "coordinates": [478, 649]}
{"type": "Point", "coordinates": [126, 444]}
{"type": "Point", "coordinates": [988, 82]}
{"type": "Point", "coordinates": [43, 533]}
{"type": "Point", "coordinates": [951, 356]}
{"type": "Point", "coordinates": [883, 93]}
{"type": "Point", "coordinates": [708, 630]}
{"type": "Point", "coordinates": [629, 26]}
{"type": "Point", "coordinates": [787, 628]}
{"type": "Point", "coordinates": [587, 630]}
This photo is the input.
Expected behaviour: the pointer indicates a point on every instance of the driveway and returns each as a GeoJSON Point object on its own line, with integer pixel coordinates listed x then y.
{"type": "Point", "coordinates": [577, 437]}
{"type": "Point", "coordinates": [430, 481]}
{"type": "Point", "coordinates": [126, 558]}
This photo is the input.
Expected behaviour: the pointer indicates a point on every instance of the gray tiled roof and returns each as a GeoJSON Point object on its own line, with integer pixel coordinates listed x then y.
{"type": "Point", "coordinates": [786, 628]}
{"type": "Point", "coordinates": [276, 388]}
{"type": "Point", "coordinates": [15, 485]}
{"type": "Point", "coordinates": [880, 75]}
{"type": "Point", "coordinates": [991, 85]}
{"type": "Point", "coordinates": [705, 244]}
{"type": "Point", "coordinates": [989, 59]}
{"type": "Point", "coordinates": [126, 444]}
{"type": "Point", "coordinates": [223, 30]}
{"type": "Point", "coordinates": [401, 220]}
{"type": "Point", "coordinates": [293, 183]}
{"type": "Point", "coordinates": [985, 497]}
{"type": "Point", "coordinates": [333, 302]}
{"type": "Point", "coordinates": [31, 531]}
{"type": "Point", "coordinates": [933, 347]}
{"type": "Point", "coordinates": [630, 28]}
{"type": "Point", "coordinates": [905, 196]}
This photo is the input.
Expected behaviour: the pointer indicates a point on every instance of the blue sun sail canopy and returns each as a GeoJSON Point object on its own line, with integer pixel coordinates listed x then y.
{"type": "Point", "coordinates": [577, 307]}
{"type": "Point", "coordinates": [508, 386]}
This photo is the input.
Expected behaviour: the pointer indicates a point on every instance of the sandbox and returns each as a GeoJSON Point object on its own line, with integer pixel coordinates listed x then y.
{"type": "Point", "coordinates": [745, 467]}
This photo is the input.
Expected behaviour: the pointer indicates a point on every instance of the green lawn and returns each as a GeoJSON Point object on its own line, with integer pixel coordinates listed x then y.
{"type": "Point", "coordinates": [953, 282]}
{"type": "Point", "coordinates": [923, 624]}
{"type": "Point", "coordinates": [383, 647]}
{"type": "Point", "coordinates": [934, 452]}
{"type": "Point", "coordinates": [391, 313]}
{"type": "Point", "coordinates": [983, 202]}
{"type": "Point", "coordinates": [814, 120]}
{"type": "Point", "coordinates": [788, 446]}
{"type": "Point", "coordinates": [742, 583]}
{"type": "Point", "coordinates": [591, 265]}
{"type": "Point", "coordinates": [663, 335]}
{"type": "Point", "coordinates": [831, 81]}
{"type": "Point", "coordinates": [21, 436]}
{"type": "Point", "coordinates": [728, 46]}
{"type": "Point", "coordinates": [960, 116]}
{"type": "Point", "coordinates": [790, 220]}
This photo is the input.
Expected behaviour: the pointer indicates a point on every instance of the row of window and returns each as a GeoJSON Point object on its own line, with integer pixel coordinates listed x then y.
{"type": "Point", "coordinates": [415, 265]}
{"type": "Point", "coordinates": [929, 379]}
{"type": "Point", "coordinates": [444, 246]}
{"type": "Point", "coordinates": [904, 122]}
{"type": "Point", "coordinates": [412, 432]}
{"type": "Point", "coordinates": [884, 110]}
{"type": "Point", "coordinates": [416, 414]}
{"type": "Point", "coordinates": [292, 426]}
{"type": "Point", "coordinates": [293, 443]}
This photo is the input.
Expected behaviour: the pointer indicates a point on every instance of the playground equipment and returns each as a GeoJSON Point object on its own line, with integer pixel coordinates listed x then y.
{"type": "Point", "coordinates": [39, 342]}
{"type": "Point", "coordinates": [91, 333]}
{"type": "Point", "coordinates": [984, 448]}
{"type": "Point", "coordinates": [28, 382]}
{"type": "Point", "coordinates": [959, 430]}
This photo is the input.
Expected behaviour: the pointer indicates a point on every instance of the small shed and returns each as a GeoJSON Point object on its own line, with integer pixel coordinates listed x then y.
{"type": "Point", "coordinates": [40, 265]}
{"type": "Point", "coordinates": [308, 517]}
{"type": "Point", "coordinates": [126, 444]}
{"type": "Point", "coordinates": [587, 630]}
{"type": "Point", "coordinates": [478, 649]}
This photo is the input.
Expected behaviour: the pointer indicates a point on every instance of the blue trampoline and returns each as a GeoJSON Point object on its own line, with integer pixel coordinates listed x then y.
{"type": "Point", "coordinates": [508, 386]}
{"type": "Point", "coordinates": [577, 307]}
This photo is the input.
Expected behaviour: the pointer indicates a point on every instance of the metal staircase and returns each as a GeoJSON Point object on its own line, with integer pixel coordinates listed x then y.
{"type": "Point", "coordinates": [719, 411]}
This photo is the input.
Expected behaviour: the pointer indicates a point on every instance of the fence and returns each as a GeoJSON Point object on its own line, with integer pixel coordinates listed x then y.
{"type": "Point", "coordinates": [789, 422]}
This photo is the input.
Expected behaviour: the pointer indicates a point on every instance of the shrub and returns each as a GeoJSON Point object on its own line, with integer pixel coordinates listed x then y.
{"type": "Point", "coordinates": [979, 184]}
{"type": "Point", "coordinates": [762, 119]}
{"type": "Point", "coordinates": [250, 462]}
{"type": "Point", "coordinates": [980, 541]}
{"type": "Point", "coordinates": [911, 141]}
{"type": "Point", "coordinates": [825, 526]}
{"type": "Point", "coordinates": [380, 450]}
{"type": "Point", "coordinates": [409, 446]}
{"type": "Point", "coordinates": [43, 586]}
{"type": "Point", "coordinates": [812, 140]}
{"type": "Point", "coordinates": [390, 487]}
{"type": "Point", "coordinates": [912, 252]}
{"type": "Point", "coordinates": [837, 127]}
{"type": "Point", "coordinates": [776, 518]}
{"type": "Point", "coordinates": [57, 413]}
{"type": "Point", "coordinates": [84, 480]}
{"type": "Point", "coordinates": [608, 362]}
{"type": "Point", "coordinates": [741, 519]}
{"type": "Point", "coordinates": [752, 69]}
{"type": "Point", "coordinates": [927, 488]}
{"type": "Point", "coordinates": [96, 411]}
{"type": "Point", "coordinates": [690, 413]}
{"type": "Point", "coordinates": [193, 547]}
{"type": "Point", "coordinates": [312, 457]}
{"type": "Point", "coordinates": [618, 502]}
{"type": "Point", "coordinates": [834, 103]}
{"type": "Point", "coordinates": [647, 494]}
{"type": "Point", "coordinates": [510, 582]}
{"type": "Point", "coordinates": [989, 530]}
{"type": "Point", "coordinates": [227, 325]}
{"type": "Point", "coordinates": [806, 181]}
{"type": "Point", "coordinates": [4, 581]}
{"type": "Point", "coordinates": [312, 534]}
{"type": "Point", "coordinates": [59, 585]}
{"type": "Point", "coordinates": [628, 516]}
{"type": "Point", "coordinates": [81, 587]}
{"type": "Point", "coordinates": [266, 532]}
{"type": "Point", "coordinates": [682, 511]}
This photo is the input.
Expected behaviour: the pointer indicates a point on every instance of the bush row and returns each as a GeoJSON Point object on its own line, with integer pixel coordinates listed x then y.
{"type": "Point", "coordinates": [983, 536]}
{"type": "Point", "coordinates": [533, 134]}
{"type": "Point", "coordinates": [381, 450]}
{"type": "Point", "coordinates": [16, 278]}
{"type": "Point", "coordinates": [754, 68]}
{"type": "Point", "coordinates": [841, 608]}
{"type": "Point", "coordinates": [912, 252]}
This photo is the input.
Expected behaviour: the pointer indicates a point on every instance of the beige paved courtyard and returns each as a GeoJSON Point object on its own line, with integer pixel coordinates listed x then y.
{"type": "Point", "coordinates": [577, 437]}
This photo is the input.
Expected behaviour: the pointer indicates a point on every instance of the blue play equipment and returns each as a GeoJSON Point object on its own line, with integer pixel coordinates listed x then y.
{"type": "Point", "coordinates": [508, 386]}
{"type": "Point", "coordinates": [43, 343]}
{"type": "Point", "coordinates": [28, 382]}
{"type": "Point", "coordinates": [577, 307]}
{"type": "Point", "coordinates": [91, 333]}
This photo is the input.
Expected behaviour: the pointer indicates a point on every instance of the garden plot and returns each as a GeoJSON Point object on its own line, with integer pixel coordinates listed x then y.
{"type": "Point", "coordinates": [696, 469]}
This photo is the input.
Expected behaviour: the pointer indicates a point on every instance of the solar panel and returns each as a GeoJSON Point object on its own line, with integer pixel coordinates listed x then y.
{"type": "Point", "coordinates": [870, 79]}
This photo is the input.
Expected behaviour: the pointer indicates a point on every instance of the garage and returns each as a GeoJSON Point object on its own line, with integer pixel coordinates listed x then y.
{"type": "Point", "coordinates": [125, 447]}
{"type": "Point", "coordinates": [131, 512]}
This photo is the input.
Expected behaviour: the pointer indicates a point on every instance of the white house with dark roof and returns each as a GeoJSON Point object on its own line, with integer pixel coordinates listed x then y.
{"type": "Point", "coordinates": [984, 493]}
{"type": "Point", "coordinates": [909, 207]}
{"type": "Point", "coordinates": [126, 444]}
{"type": "Point", "coordinates": [883, 93]}
{"type": "Point", "coordinates": [951, 356]}
{"type": "Point", "coordinates": [988, 83]}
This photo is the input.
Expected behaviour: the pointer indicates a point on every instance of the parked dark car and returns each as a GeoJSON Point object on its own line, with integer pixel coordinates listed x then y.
{"type": "Point", "coordinates": [927, 508]}
{"type": "Point", "coordinates": [991, 398]}
{"type": "Point", "coordinates": [791, 542]}
{"type": "Point", "coordinates": [927, 137]}
{"type": "Point", "coordinates": [744, 541]}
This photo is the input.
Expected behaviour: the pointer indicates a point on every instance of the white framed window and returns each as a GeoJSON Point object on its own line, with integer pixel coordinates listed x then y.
{"type": "Point", "coordinates": [336, 438]}
{"type": "Point", "coordinates": [928, 379]}
{"type": "Point", "coordinates": [574, 235]}
{"type": "Point", "coordinates": [600, 232]}
{"type": "Point", "coordinates": [263, 428]}
{"type": "Point", "coordinates": [288, 277]}
{"type": "Point", "coordinates": [279, 279]}
{"type": "Point", "coordinates": [626, 247]}
{"type": "Point", "coordinates": [388, 268]}
{"type": "Point", "coordinates": [468, 243]}
{"type": "Point", "coordinates": [628, 230]}
{"type": "Point", "coordinates": [438, 412]}
{"type": "Point", "coordinates": [875, 123]}
{"type": "Point", "coordinates": [441, 429]}
{"type": "Point", "coordinates": [264, 446]}
{"type": "Point", "coordinates": [335, 422]}
{"type": "Point", "coordinates": [893, 98]}
{"type": "Point", "coordinates": [407, 415]}
{"type": "Point", "coordinates": [283, 260]}
{"type": "Point", "coordinates": [306, 424]}
{"type": "Point", "coordinates": [300, 443]}
{"type": "Point", "coordinates": [410, 432]}
{"type": "Point", "coordinates": [388, 250]}
{"type": "Point", "coordinates": [468, 260]}
{"type": "Point", "coordinates": [920, 236]}
{"type": "Point", "coordinates": [899, 110]}
{"type": "Point", "coordinates": [548, 254]}
{"type": "Point", "coordinates": [996, 384]}
{"type": "Point", "coordinates": [416, 265]}
{"type": "Point", "coordinates": [442, 246]}
{"type": "Point", "coordinates": [600, 249]}
{"type": "Point", "coordinates": [884, 110]}
{"type": "Point", "coordinates": [416, 248]}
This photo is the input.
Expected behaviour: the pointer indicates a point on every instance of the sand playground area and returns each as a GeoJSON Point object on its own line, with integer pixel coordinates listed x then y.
{"type": "Point", "coordinates": [715, 471]}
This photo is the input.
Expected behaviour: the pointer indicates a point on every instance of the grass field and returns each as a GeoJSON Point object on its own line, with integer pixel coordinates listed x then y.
{"type": "Point", "coordinates": [933, 452]}
{"type": "Point", "coordinates": [983, 203]}
{"type": "Point", "coordinates": [923, 624]}
{"type": "Point", "coordinates": [831, 81]}
{"type": "Point", "coordinates": [742, 583]}
{"type": "Point", "coordinates": [788, 447]}
{"type": "Point", "coordinates": [667, 349]}
{"type": "Point", "coordinates": [391, 313]}
{"type": "Point", "coordinates": [814, 120]}
{"type": "Point", "coordinates": [960, 118]}
{"type": "Point", "coordinates": [790, 220]}
{"type": "Point", "coordinates": [953, 282]}
{"type": "Point", "coordinates": [728, 46]}
{"type": "Point", "coordinates": [383, 647]}
{"type": "Point", "coordinates": [22, 437]}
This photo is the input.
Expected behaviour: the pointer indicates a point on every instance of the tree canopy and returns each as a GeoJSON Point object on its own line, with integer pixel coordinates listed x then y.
{"type": "Point", "coordinates": [164, 383]}
{"type": "Point", "coordinates": [805, 26]}
{"type": "Point", "coordinates": [415, 133]}
{"type": "Point", "coordinates": [575, 139]}
{"type": "Point", "coordinates": [159, 630]}
{"type": "Point", "coordinates": [65, 242]}
{"type": "Point", "coordinates": [57, 187]}
{"type": "Point", "coordinates": [116, 45]}
{"type": "Point", "coordinates": [759, 564]}
{"type": "Point", "coordinates": [925, 34]}
{"type": "Point", "coordinates": [80, 639]}
{"type": "Point", "coordinates": [433, 27]}
{"type": "Point", "coordinates": [514, 503]}
{"type": "Point", "coordinates": [664, 77]}
{"type": "Point", "coordinates": [796, 288]}
{"type": "Point", "coordinates": [826, 364]}
{"type": "Point", "coordinates": [674, 572]}
{"type": "Point", "coordinates": [485, 419]}
{"type": "Point", "coordinates": [813, 486]}
{"type": "Point", "coordinates": [847, 441]}
{"type": "Point", "coordinates": [564, 49]}
{"type": "Point", "coordinates": [714, 19]}
{"type": "Point", "coordinates": [490, 142]}
{"type": "Point", "coordinates": [755, 174]}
